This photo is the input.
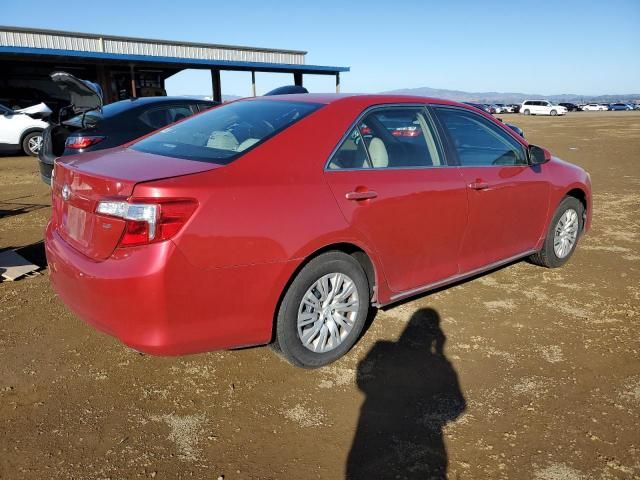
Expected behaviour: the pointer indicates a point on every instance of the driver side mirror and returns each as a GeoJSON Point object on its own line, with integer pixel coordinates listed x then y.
{"type": "Point", "coordinates": [538, 155]}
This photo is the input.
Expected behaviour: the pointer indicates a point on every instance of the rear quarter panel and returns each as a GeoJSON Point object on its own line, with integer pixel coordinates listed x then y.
{"type": "Point", "coordinates": [270, 205]}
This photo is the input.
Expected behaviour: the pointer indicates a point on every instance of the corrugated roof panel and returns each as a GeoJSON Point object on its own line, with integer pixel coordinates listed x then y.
{"type": "Point", "coordinates": [28, 38]}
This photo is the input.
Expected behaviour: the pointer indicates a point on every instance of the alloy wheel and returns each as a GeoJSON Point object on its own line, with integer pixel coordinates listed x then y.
{"type": "Point", "coordinates": [35, 144]}
{"type": "Point", "coordinates": [565, 233]}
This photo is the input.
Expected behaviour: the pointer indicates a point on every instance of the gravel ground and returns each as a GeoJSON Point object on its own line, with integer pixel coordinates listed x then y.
{"type": "Point", "coordinates": [524, 373]}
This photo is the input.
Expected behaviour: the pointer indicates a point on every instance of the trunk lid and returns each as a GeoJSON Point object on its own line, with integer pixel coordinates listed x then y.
{"type": "Point", "coordinates": [83, 94]}
{"type": "Point", "coordinates": [80, 182]}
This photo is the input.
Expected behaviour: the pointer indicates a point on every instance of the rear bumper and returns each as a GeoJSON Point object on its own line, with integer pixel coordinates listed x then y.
{"type": "Point", "coordinates": [152, 299]}
{"type": "Point", "coordinates": [45, 170]}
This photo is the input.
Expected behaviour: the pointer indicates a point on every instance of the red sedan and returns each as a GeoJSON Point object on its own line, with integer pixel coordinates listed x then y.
{"type": "Point", "coordinates": [284, 219]}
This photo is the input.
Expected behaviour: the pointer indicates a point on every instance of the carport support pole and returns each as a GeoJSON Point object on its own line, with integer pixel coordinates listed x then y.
{"type": "Point", "coordinates": [253, 83]}
{"type": "Point", "coordinates": [337, 82]}
{"type": "Point", "coordinates": [216, 86]}
{"type": "Point", "coordinates": [134, 94]}
{"type": "Point", "coordinates": [297, 79]}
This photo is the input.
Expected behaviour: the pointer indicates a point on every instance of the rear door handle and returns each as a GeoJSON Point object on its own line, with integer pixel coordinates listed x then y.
{"type": "Point", "coordinates": [479, 185]}
{"type": "Point", "coordinates": [361, 195]}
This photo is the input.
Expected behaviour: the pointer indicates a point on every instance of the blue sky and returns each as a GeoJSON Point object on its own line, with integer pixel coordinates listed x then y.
{"type": "Point", "coordinates": [546, 47]}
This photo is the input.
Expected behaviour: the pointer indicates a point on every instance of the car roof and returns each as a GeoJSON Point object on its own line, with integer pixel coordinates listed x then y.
{"type": "Point", "coordinates": [362, 99]}
{"type": "Point", "coordinates": [163, 99]}
{"type": "Point", "coordinates": [123, 106]}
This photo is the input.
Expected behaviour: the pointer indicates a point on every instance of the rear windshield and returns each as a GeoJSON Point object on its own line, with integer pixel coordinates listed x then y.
{"type": "Point", "coordinates": [91, 119]}
{"type": "Point", "coordinates": [222, 134]}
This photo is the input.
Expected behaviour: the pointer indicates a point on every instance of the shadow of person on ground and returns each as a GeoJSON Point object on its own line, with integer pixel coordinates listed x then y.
{"type": "Point", "coordinates": [412, 392]}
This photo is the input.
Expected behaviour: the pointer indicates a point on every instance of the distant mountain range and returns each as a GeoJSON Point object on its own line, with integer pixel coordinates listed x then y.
{"type": "Point", "coordinates": [511, 97]}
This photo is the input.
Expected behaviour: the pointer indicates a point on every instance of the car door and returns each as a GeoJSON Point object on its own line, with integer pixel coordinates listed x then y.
{"type": "Point", "coordinates": [12, 125]}
{"type": "Point", "coordinates": [508, 198]}
{"type": "Point", "coordinates": [535, 108]}
{"type": "Point", "coordinates": [5, 126]}
{"type": "Point", "coordinates": [392, 184]}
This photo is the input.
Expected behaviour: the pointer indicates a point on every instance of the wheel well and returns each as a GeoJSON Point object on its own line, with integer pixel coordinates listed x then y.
{"type": "Point", "coordinates": [579, 195]}
{"type": "Point", "coordinates": [28, 131]}
{"type": "Point", "coordinates": [350, 249]}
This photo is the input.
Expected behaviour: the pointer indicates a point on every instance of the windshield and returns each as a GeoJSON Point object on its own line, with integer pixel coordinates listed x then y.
{"type": "Point", "coordinates": [222, 134]}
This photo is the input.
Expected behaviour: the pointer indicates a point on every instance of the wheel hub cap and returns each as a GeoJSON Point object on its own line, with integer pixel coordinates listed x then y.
{"type": "Point", "coordinates": [327, 312]}
{"type": "Point", "coordinates": [566, 233]}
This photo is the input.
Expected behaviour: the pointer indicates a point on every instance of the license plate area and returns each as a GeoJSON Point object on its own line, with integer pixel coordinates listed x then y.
{"type": "Point", "coordinates": [74, 223]}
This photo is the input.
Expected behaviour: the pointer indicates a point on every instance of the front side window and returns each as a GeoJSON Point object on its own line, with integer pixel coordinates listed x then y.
{"type": "Point", "coordinates": [389, 138]}
{"type": "Point", "coordinates": [222, 134]}
{"type": "Point", "coordinates": [479, 142]}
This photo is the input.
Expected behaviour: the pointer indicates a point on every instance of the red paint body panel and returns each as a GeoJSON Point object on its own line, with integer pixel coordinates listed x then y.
{"type": "Point", "coordinates": [217, 283]}
{"type": "Point", "coordinates": [415, 224]}
{"type": "Point", "coordinates": [507, 217]}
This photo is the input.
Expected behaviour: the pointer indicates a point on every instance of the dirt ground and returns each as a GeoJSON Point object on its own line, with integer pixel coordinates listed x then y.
{"type": "Point", "coordinates": [539, 377]}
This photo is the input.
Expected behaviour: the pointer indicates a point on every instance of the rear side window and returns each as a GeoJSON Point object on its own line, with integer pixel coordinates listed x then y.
{"type": "Point", "coordinates": [479, 142]}
{"type": "Point", "coordinates": [222, 134]}
{"type": "Point", "coordinates": [351, 154]}
{"type": "Point", "coordinates": [161, 116]}
{"type": "Point", "coordinates": [389, 138]}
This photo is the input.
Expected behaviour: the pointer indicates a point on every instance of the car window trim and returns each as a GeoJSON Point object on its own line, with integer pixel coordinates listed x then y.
{"type": "Point", "coordinates": [454, 153]}
{"type": "Point", "coordinates": [386, 106]}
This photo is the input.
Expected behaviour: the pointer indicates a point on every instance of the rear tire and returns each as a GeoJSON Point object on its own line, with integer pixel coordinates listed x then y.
{"type": "Point", "coordinates": [561, 239]}
{"type": "Point", "coordinates": [527, 112]}
{"type": "Point", "coordinates": [32, 143]}
{"type": "Point", "coordinates": [323, 311]}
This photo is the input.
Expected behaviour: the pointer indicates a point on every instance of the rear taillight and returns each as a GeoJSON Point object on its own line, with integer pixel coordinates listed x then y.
{"type": "Point", "coordinates": [149, 220]}
{"type": "Point", "coordinates": [78, 143]}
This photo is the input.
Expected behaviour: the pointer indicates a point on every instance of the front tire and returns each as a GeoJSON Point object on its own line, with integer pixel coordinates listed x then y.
{"type": "Point", "coordinates": [562, 238]}
{"type": "Point", "coordinates": [323, 311]}
{"type": "Point", "coordinates": [32, 143]}
{"type": "Point", "coordinates": [553, 113]}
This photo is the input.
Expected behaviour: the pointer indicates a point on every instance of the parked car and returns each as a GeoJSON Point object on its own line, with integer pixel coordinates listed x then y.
{"type": "Point", "coordinates": [515, 107]}
{"type": "Point", "coordinates": [541, 107]}
{"type": "Point", "coordinates": [274, 219]}
{"type": "Point", "coordinates": [481, 106]}
{"type": "Point", "coordinates": [21, 130]}
{"type": "Point", "coordinates": [17, 98]}
{"type": "Point", "coordinates": [594, 107]}
{"type": "Point", "coordinates": [286, 90]}
{"type": "Point", "coordinates": [619, 106]}
{"type": "Point", "coordinates": [571, 107]}
{"type": "Point", "coordinates": [113, 125]}
{"type": "Point", "coordinates": [503, 108]}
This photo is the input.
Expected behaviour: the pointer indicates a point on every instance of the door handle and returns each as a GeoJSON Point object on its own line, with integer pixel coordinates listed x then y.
{"type": "Point", "coordinates": [478, 185]}
{"type": "Point", "coordinates": [361, 195]}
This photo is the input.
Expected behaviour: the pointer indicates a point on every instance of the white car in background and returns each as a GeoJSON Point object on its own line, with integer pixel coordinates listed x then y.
{"type": "Point", "coordinates": [22, 129]}
{"type": "Point", "coordinates": [594, 107]}
{"type": "Point", "coordinates": [541, 107]}
{"type": "Point", "coordinates": [503, 108]}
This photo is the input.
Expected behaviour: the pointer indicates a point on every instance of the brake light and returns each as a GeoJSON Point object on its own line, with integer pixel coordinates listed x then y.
{"type": "Point", "coordinates": [78, 143]}
{"type": "Point", "coordinates": [149, 220]}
